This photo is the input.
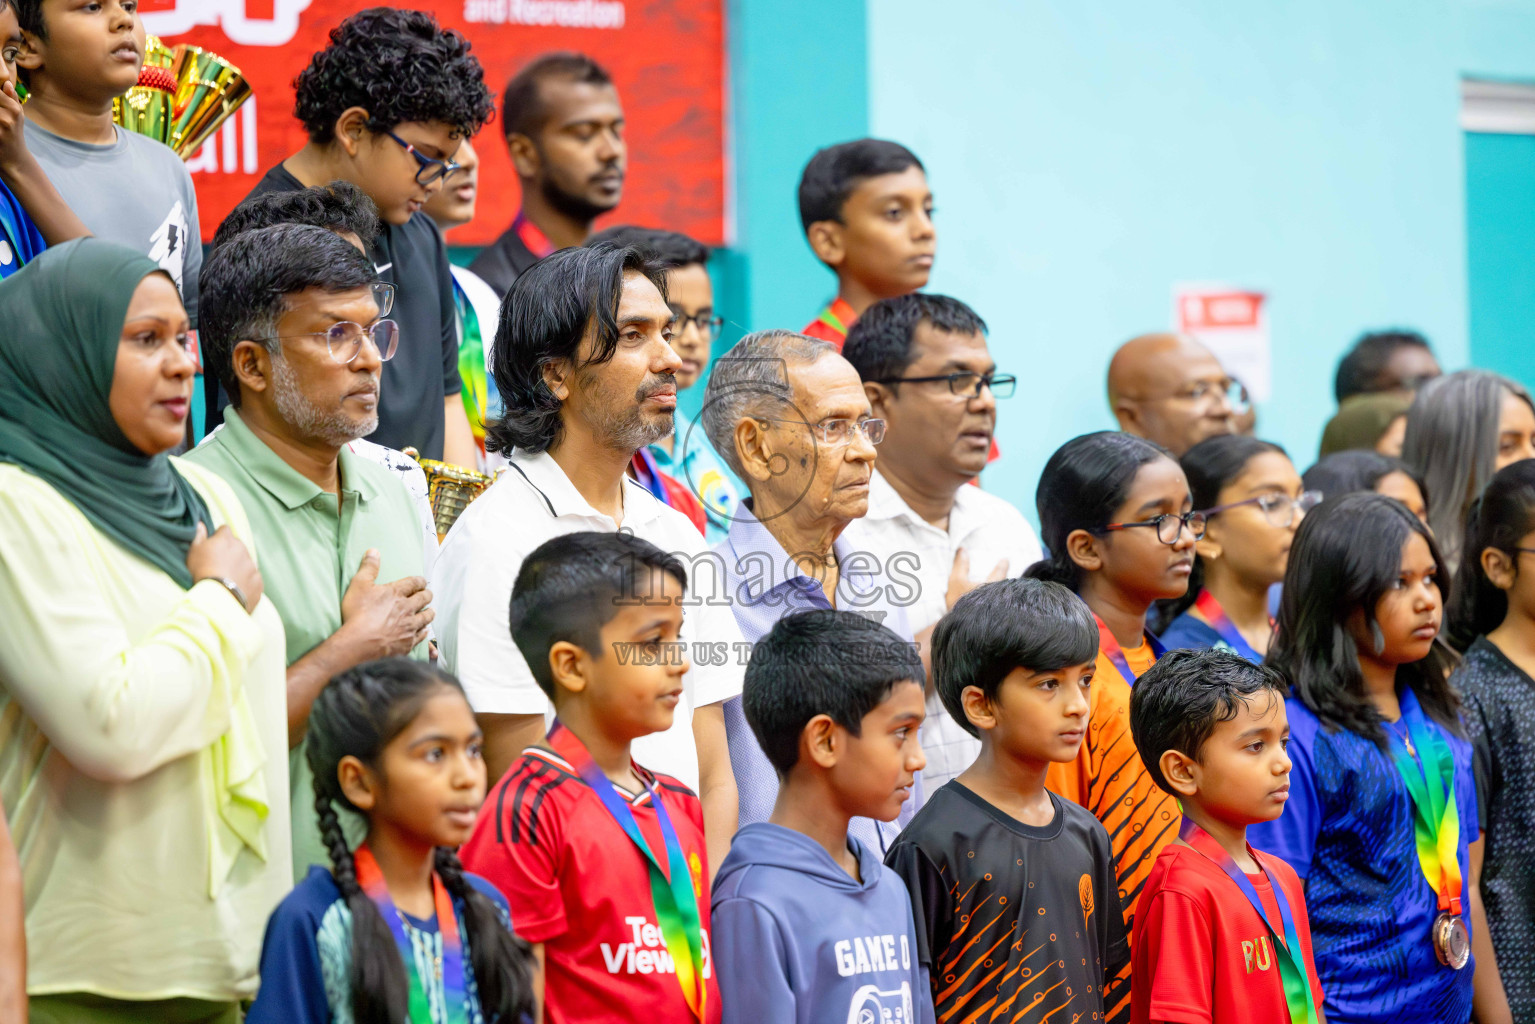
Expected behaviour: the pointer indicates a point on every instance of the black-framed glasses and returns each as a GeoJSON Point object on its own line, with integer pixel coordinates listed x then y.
{"type": "Point", "coordinates": [838, 432]}
{"type": "Point", "coordinates": [1279, 509]}
{"type": "Point", "coordinates": [344, 339]}
{"type": "Point", "coordinates": [431, 169]}
{"type": "Point", "coordinates": [968, 384]}
{"type": "Point", "coordinates": [1169, 526]}
{"type": "Point", "coordinates": [708, 326]}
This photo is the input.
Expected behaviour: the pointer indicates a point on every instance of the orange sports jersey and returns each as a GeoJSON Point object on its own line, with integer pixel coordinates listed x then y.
{"type": "Point", "coordinates": [1108, 778]}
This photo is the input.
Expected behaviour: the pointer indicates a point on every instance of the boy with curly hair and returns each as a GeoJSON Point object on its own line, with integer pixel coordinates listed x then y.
{"type": "Point", "coordinates": [386, 105]}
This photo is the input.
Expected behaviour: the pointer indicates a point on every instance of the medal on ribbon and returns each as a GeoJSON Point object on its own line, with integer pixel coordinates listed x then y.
{"type": "Point", "coordinates": [1436, 825]}
{"type": "Point", "coordinates": [671, 890]}
{"type": "Point", "coordinates": [450, 970]}
{"type": "Point", "coordinates": [1299, 997]}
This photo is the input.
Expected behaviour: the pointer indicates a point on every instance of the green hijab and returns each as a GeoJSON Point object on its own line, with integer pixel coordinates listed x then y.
{"type": "Point", "coordinates": [62, 317]}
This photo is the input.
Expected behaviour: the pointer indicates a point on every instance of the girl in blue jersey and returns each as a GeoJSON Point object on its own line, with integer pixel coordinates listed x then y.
{"type": "Point", "coordinates": [396, 930]}
{"type": "Point", "coordinates": [1382, 814]}
{"type": "Point", "coordinates": [1252, 499]}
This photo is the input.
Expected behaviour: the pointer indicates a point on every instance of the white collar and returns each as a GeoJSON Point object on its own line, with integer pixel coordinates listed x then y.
{"type": "Point", "coordinates": [561, 498]}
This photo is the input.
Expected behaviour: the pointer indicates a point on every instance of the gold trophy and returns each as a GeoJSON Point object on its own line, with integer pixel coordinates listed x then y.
{"type": "Point", "coordinates": [184, 95]}
{"type": "Point", "coordinates": [450, 489]}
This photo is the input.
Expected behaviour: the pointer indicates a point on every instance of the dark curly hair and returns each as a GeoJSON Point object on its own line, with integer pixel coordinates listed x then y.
{"type": "Point", "coordinates": [397, 65]}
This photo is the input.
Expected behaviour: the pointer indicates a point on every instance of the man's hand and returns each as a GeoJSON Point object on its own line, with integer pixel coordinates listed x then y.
{"type": "Point", "coordinates": [385, 619]}
{"type": "Point", "coordinates": [960, 583]}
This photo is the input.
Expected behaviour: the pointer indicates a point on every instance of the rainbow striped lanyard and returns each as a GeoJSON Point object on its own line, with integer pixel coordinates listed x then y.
{"type": "Point", "coordinates": [1299, 997]}
{"type": "Point", "coordinates": [671, 890]}
{"type": "Point", "coordinates": [1436, 818]}
{"type": "Point", "coordinates": [1210, 610]}
{"type": "Point", "coordinates": [450, 969]}
{"type": "Point", "coordinates": [534, 240]}
{"type": "Point", "coordinates": [1110, 649]}
{"type": "Point", "coordinates": [838, 315]}
{"type": "Point", "coordinates": [471, 364]}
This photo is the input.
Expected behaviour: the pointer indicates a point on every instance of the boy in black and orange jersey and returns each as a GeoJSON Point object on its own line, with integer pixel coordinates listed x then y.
{"type": "Point", "coordinates": [1016, 903]}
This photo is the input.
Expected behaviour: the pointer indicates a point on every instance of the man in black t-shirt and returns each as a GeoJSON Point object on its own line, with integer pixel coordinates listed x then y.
{"type": "Point", "coordinates": [397, 145]}
{"type": "Point", "coordinates": [565, 131]}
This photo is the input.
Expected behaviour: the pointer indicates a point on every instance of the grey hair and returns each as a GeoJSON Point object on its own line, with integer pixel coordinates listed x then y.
{"type": "Point", "coordinates": [745, 379]}
{"type": "Point", "coordinates": [1452, 441]}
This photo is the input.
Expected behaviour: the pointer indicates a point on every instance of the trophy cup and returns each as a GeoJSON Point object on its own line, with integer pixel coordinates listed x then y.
{"type": "Point", "coordinates": [184, 95]}
{"type": "Point", "coordinates": [450, 489]}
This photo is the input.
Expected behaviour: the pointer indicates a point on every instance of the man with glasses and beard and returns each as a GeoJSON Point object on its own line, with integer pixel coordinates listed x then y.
{"type": "Point", "coordinates": [584, 362]}
{"type": "Point", "coordinates": [291, 328]}
{"type": "Point", "coordinates": [565, 131]}
{"type": "Point", "coordinates": [397, 144]}
{"type": "Point", "coordinates": [1172, 390]}
{"type": "Point", "coordinates": [928, 373]}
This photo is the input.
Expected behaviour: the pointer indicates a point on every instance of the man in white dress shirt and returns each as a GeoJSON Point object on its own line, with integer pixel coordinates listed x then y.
{"type": "Point", "coordinates": [583, 361]}
{"type": "Point", "coordinates": [930, 377]}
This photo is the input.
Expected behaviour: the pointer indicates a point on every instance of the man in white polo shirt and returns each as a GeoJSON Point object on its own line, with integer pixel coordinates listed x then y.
{"type": "Point", "coordinates": [583, 362]}
{"type": "Point", "coordinates": [930, 377]}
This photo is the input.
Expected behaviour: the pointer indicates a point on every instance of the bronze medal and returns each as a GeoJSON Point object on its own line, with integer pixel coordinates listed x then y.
{"type": "Point", "coordinates": [1452, 945]}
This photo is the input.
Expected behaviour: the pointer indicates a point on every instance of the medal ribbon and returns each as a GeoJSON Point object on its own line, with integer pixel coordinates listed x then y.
{"type": "Point", "coordinates": [1209, 609]}
{"type": "Point", "coordinates": [1110, 649]}
{"type": "Point", "coordinates": [471, 365]}
{"type": "Point", "coordinates": [1436, 821]}
{"type": "Point", "coordinates": [1299, 997]}
{"type": "Point", "coordinates": [371, 879]}
{"type": "Point", "coordinates": [671, 891]}
{"type": "Point", "coordinates": [838, 315]}
{"type": "Point", "coordinates": [533, 239]}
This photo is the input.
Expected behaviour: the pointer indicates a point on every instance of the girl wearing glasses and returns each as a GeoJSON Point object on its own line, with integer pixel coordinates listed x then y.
{"type": "Point", "coordinates": [1381, 818]}
{"type": "Point", "coordinates": [1492, 619]}
{"type": "Point", "coordinates": [1252, 500]}
{"type": "Point", "coordinates": [1116, 515]}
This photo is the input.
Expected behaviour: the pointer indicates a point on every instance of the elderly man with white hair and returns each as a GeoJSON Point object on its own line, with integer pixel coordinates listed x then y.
{"type": "Point", "coordinates": [790, 417]}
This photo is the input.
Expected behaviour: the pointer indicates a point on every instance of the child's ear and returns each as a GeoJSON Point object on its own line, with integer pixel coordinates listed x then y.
{"type": "Point", "coordinates": [357, 783]}
{"type": "Point", "coordinates": [1499, 568]}
{"type": "Point", "coordinates": [826, 241]}
{"type": "Point", "coordinates": [29, 55]}
{"type": "Point", "coordinates": [1179, 771]}
{"type": "Point", "coordinates": [252, 365]}
{"type": "Point", "coordinates": [1082, 548]}
{"type": "Point", "coordinates": [819, 741]}
{"type": "Point", "coordinates": [1207, 546]}
{"type": "Point", "coordinates": [977, 708]}
{"type": "Point", "coordinates": [524, 155]}
{"type": "Point", "coordinates": [350, 127]}
{"type": "Point", "coordinates": [569, 666]}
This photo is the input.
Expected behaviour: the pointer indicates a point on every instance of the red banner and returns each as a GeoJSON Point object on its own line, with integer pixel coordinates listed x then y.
{"type": "Point", "coordinates": [666, 57]}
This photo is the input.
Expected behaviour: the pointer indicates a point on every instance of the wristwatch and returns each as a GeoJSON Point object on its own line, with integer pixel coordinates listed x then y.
{"type": "Point", "coordinates": [233, 588]}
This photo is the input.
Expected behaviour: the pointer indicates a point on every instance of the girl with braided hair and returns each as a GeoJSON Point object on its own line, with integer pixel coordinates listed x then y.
{"type": "Point", "coordinates": [396, 931]}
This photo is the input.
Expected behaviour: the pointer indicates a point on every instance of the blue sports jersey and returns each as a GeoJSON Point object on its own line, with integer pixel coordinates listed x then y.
{"type": "Point", "coordinates": [1348, 832]}
{"type": "Point", "coordinates": [20, 241]}
{"type": "Point", "coordinates": [1188, 632]}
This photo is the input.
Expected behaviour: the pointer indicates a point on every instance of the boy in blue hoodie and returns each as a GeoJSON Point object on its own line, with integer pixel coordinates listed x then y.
{"type": "Point", "coordinates": [806, 920]}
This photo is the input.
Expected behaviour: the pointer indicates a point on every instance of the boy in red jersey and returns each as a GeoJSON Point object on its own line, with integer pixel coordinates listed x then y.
{"type": "Point", "coordinates": [868, 215]}
{"type": "Point", "coordinates": [1221, 932]}
{"type": "Point", "coordinates": [602, 862]}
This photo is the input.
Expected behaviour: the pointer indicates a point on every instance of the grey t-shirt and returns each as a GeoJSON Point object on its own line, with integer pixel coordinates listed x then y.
{"type": "Point", "coordinates": [136, 192]}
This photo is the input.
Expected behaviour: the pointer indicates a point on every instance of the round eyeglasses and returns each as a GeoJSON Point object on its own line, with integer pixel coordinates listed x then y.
{"type": "Point", "coordinates": [968, 384]}
{"type": "Point", "coordinates": [1279, 509]}
{"type": "Point", "coordinates": [1168, 526]}
{"type": "Point", "coordinates": [344, 339]}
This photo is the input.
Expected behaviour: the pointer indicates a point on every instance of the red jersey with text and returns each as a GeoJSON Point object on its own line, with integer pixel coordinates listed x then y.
{"type": "Point", "coordinates": [576, 883]}
{"type": "Point", "coordinates": [1201, 952]}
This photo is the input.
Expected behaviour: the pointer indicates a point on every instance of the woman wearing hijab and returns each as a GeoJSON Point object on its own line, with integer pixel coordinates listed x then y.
{"type": "Point", "coordinates": [143, 732]}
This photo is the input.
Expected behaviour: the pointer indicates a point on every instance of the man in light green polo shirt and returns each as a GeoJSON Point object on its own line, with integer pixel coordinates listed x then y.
{"type": "Point", "coordinates": [291, 328]}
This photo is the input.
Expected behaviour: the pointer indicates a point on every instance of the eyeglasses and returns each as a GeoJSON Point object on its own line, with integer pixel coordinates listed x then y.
{"type": "Point", "coordinates": [1279, 509]}
{"type": "Point", "coordinates": [836, 433]}
{"type": "Point", "coordinates": [344, 339]}
{"type": "Point", "coordinates": [967, 384]}
{"type": "Point", "coordinates": [430, 170]}
{"type": "Point", "coordinates": [1168, 526]}
{"type": "Point", "coordinates": [1205, 392]}
{"type": "Point", "coordinates": [708, 326]}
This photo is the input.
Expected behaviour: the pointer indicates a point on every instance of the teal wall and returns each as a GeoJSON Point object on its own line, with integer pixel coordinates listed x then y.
{"type": "Point", "coordinates": [1500, 231]}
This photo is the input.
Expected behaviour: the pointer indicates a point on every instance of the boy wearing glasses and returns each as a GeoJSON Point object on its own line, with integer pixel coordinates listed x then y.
{"type": "Point", "coordinates": [398, 146]}
{"type": "Point", "coordinates": [928, 373]}
{"type": "Point", "coordinates": [685, 454]}
{"type": "Point", "coordinates": [292, 328]}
